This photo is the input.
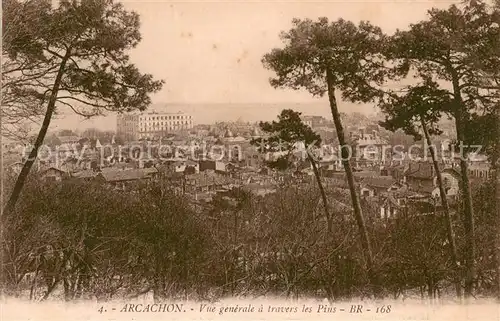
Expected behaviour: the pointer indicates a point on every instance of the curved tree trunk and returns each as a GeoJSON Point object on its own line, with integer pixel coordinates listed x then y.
{"type": "Point", "coordinates": [322, 191]}
{"type": "Point", "coordinates": [21, 179]}
{"type": "Point", "coordinates": [358, 215]}
{"type": "Point", "coordinates": [444, 202]}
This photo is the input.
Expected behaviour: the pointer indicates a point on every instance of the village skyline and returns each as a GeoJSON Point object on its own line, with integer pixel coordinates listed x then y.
{"type": "Point", "coordinates": [211, 113]}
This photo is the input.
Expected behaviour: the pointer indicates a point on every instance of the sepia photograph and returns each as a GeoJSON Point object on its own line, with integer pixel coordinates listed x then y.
{"type": "Point", "coordinates": [262, 160]}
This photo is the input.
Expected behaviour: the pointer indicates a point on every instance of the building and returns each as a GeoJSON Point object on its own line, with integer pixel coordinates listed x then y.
{"type": "Point", "coordinates": [370, 148]}
{"type": "Point", "coordinates": [53, 174]}
{"type": "Point", "coordinates": [120, 179]}
{"type": "Point", "coordinates": [315, 121]}
{"type": "Point", "coordinates": [374, 186]}
{"type": "Point", "coordinates": [69, 139]}
{"type": "Point", "coordinates": [422, 179]}
{"type": "Point", "coordinates": [480, 170]}
{"type": "Point", "coordinates": [151, 125]}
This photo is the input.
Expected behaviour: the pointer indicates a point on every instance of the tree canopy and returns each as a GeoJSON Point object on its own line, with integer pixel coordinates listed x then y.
{"type": "Point", "coordinates": [351, 52]}
{"type": "Point", "coordinates": [89, 41]}
{"type": "Point", "coordinates": [284, 136]}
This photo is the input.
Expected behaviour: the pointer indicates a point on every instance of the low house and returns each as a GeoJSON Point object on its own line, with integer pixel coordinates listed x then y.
{"type": "Point", "coordinates": [85, 175]}
{"type": "Point", "coordinates": [374, 186]}
{"type": "Point", "coordinates": [53, 174]}
{"type": "Point", "coordinates": [389, 206]}
{"type": "Point", "coordinates": [480, 170]}
{"type": "Point", "coordinates": [421, 178]}
{"type": "Point", "coordinates": [259, 189]}
{"type": "Point", "coordinates": [151, 172]}
{"type": "Point", "coordinates": [180, 165]}
{"type": "Point", "coordinates": [451, 182]}
{"type": "Point", "coordinates": [211, 165]}
{"type": "Point", "coordinates": [396, 171]}
{"type": "Point", "coordinates": [253, 158]}
{"type": "Point", "coordinates": [121, 178]}
{"type": "Point", "coordinates": [203, 182]}
{"type": "Point", "coordinates": [329, 167]}
{"type": "Point", "coordinates": [15, 168]}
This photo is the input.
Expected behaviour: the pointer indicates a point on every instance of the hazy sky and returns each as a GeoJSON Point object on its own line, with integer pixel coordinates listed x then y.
{"type": "Point", "coordinates": [209, 52]}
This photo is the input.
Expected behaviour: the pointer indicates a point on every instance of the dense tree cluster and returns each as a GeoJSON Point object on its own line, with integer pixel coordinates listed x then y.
{"type": "Point", "coordinates": [83, 240]}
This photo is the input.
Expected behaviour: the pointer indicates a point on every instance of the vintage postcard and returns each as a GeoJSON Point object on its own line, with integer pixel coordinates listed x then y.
{"type": "Point", "coordinates": [250, 160]}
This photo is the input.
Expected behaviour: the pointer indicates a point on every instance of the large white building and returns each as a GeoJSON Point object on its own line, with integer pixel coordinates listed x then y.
{"type": "Point", "coordinates": [152, 124]}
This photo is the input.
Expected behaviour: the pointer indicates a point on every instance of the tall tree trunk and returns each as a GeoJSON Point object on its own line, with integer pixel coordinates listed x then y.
{"type": "Point", "coordinates": [497, 221]}
{"type": "Point", "coordinates": [496, 173]}
{"type": "Point", "coordinates": [321, 190]}
{"type": "Point", "coordinates": [358, 214]}
{"type": "Point", "coordinates": [466, 195]}
{"type": "Point", "coordinates": [21, 179]}
{"type": "Point", "coordinates": [444, 202]}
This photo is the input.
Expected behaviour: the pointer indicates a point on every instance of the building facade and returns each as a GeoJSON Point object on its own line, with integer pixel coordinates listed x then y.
{"type": "Point", "coordinates": [151, 125]}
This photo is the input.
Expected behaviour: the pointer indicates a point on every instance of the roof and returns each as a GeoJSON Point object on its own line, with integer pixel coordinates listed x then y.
{"type": "Point", "coordinates": [85, 174]}
{"type": "Point", "coordinates": [150, 170]}
{"type": "Point", "coordinates": [453, 171]}
{"type": "Point", "coordinates": [191, 163]}
{"type": "Point", "coordinates": [228, 133]}
{"type": "Point", "coordinates": [261, 189]}
{"type": "Point", "coordinates": [403, 192]}
{"type": "Point", "coordinates": [425, 189]}
{"type": "Point", "coordinates": [125, 175]}
{"type": "Point", "coordinates": [479, 165]}
{"type": "Point", "coordinates": [370, 142]}
{"type": "Point", "coordinates": [68, 139]}
{"type": "Point", "coordinates": [311, 117]}
{"type": "Point", "coordinates": [203, 179]}
{"type": "Point", "coordinates": [339, 206]}
{"type": "Point", "coordinates": [379, 182]}
{"type": "Point", "coordinates": [389, 198]}
{"type": "Point", "coordinates": [55, 169]}
{"type": "Point", "coordinates": [206, 197]}
{"type": "Point", "coordinates": [421, 170]}
{"type": "Point", "coordinates": [395, 168]}
{"type": "Point", "coordinates": [364, 174]}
